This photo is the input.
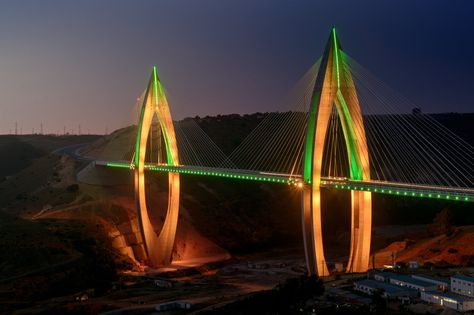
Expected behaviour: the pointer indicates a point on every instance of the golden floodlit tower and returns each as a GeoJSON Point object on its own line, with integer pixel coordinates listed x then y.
{"type": "Point", "coordinates": [334, 87]}
{"type": "Point", "coordinates": [158, 247]}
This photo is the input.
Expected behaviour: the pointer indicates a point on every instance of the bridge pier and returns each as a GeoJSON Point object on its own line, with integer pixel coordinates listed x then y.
{"type": "Point", "coordinates": [312, 231]}
{"type": "Point", "coordinates": [361, 231]}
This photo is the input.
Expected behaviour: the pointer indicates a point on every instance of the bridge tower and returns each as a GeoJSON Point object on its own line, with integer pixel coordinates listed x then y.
{"type": "Point", "coordinates": [334, 87]}
{"type": "Point", "coordinates": [158, 247]}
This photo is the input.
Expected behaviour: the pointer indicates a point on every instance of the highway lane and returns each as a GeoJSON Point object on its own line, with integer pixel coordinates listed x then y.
{"type": "Point", "coordinates": [73, 152]}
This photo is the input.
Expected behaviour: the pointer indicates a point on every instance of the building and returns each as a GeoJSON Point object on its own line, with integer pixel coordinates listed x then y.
{"type": "Point", "coordinates": [387, 290]}
{"type": "Point", "coordinates": [413, 264]}
{"type": "Point", "coordinates": [450, 300]}
{"type": "Point", "coordinates": [412, 283]}
{"type": "Point", "coordinates": [442, 283]}
{"type": "Point", "coordinates": [160, 283]}
{"type": "Point", "coordinates": [171, 306]}
{"type": "Point", "coordinates": [463, 285]}
{"type": "Point", "coordinates": [384, 276]}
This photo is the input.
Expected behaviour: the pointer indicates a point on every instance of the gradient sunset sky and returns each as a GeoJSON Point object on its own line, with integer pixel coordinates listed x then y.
{"type": "Point", "coordinates": [65, 62]}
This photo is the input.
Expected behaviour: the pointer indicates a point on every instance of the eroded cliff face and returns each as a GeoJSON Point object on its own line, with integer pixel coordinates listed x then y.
{"type": "Point", "coordinates": [119, 220]}
{"type": "Point", "coordinates": [111, 205]}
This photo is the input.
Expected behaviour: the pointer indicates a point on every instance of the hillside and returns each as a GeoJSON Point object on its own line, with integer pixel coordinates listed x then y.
{"type": "Point", "coordinates": [227, 131]}
{"type": "Point", "coordinates": [16, 155]}
{"type": "Point", "coordinates": [18, 152]}
{"type": "Point", "coordinates": [42, 260]}
{"type": "Point", "coordinates": [456, 249]}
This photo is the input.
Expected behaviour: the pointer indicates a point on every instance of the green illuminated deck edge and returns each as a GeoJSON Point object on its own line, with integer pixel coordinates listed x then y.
{"type": "Point", "coordinates": [440, 195]}
{"type": "Point", "coordinates": [428, 194]}
{"type": "Point", "coordinates": [222, 174]}
{"type": "Point", "coordinates": [119, 165]}
{"type": "Point", "coordinates": [263, 178]}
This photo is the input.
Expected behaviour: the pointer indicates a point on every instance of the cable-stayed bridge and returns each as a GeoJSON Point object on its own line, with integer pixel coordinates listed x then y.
{"type": "Point", "coordinates": [345, 130]}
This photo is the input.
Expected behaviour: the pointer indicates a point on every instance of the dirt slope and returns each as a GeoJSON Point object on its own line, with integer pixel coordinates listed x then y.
{"type": "Point", "coordinates": [456, 249]}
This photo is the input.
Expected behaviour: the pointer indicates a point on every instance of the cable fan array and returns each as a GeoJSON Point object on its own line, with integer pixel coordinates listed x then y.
{"type": "Point", "coordinates": [196, 147]}
{"type": "Point", "coordinates": [277, 144]}
{"type": "Point", "coordinates": [403, 147]}
{"type": "Point", "coordinates": [408, 147]}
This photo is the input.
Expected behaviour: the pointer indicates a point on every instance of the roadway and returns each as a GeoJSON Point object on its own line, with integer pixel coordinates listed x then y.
{"type": "Point", "coordinates": [73, 151]}
{"type": "Point", "coordinates": [380, 187]}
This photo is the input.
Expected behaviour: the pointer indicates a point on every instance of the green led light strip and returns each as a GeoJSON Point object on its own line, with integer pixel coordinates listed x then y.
{"type": "Point", "coordinates": [182, 170]}
{"type": "Point", "coordinates": [310, 134]}
{"type": "Point", "coordinates": [350, 137]}
{"type": "Point", "coordinates": [442, 195]}
{"type": "Point", "coordinates": [119, 165]}
{"type": "Point", "coordinates": [155, 85]}
{"type": "Point", "coordinates": [337, 56]}
{"type": "Point", "coordinates": [252, 177]}
{"type": "Point", "coordinates": [429, 194]}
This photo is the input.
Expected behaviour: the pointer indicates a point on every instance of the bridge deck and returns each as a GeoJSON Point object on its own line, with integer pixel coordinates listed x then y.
{"type": "Point", "coordinates": [379, 187]}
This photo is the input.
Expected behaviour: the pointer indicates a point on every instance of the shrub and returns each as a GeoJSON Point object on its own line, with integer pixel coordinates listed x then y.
{"type": "Point", "coordinates": [72, 188]}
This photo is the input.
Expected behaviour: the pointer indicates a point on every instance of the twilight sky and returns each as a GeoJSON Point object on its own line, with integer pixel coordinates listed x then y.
{"type": "Point", "coordinates": [65, 62]}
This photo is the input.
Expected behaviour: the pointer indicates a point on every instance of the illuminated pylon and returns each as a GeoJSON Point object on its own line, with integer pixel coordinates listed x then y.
{"type": "Point", "coordinates": [158, 247]}
{"type": "Point", "coordinates": [334, 87]}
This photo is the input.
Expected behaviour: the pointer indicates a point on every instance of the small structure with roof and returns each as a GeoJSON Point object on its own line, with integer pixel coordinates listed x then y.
{"type": "Point", "coordinates": [412, 283]}
{"type": "Point", "coordinates": [413, 264]}
{"type": "Point", "coordinates": [384, 276]}
{"type": "Point", "coordinates": [442, 283]}
{"type": "Point", "coordinates": [172, 306]}
{"type": "Point", "coordinates": [462, 284]}
{"type": "Point", "coordinates": [387, 290]}
{"type": "Point", "coordinates": [450, 300]}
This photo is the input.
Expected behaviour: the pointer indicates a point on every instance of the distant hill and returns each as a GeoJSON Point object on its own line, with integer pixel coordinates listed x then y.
{"type": "Point", "coordinates": [460, 124]}
{"type": "Point", "coordinates": [228, 131]}
{"type": "Point", "coordinates": [16, 155]}
{"type": "Point", "coordinates": [18, 152]}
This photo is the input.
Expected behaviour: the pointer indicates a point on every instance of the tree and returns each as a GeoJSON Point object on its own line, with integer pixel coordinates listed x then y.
{"type": "Point", "coordinates": [378, 301]}
{"type": "Point", "coordinates": [441, 223]}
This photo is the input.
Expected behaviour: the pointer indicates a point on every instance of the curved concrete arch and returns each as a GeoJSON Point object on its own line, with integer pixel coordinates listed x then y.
{"type": "Point", "coordinates": [158, 247]}
{"type": "Point", "coordinates": [334, 87]}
